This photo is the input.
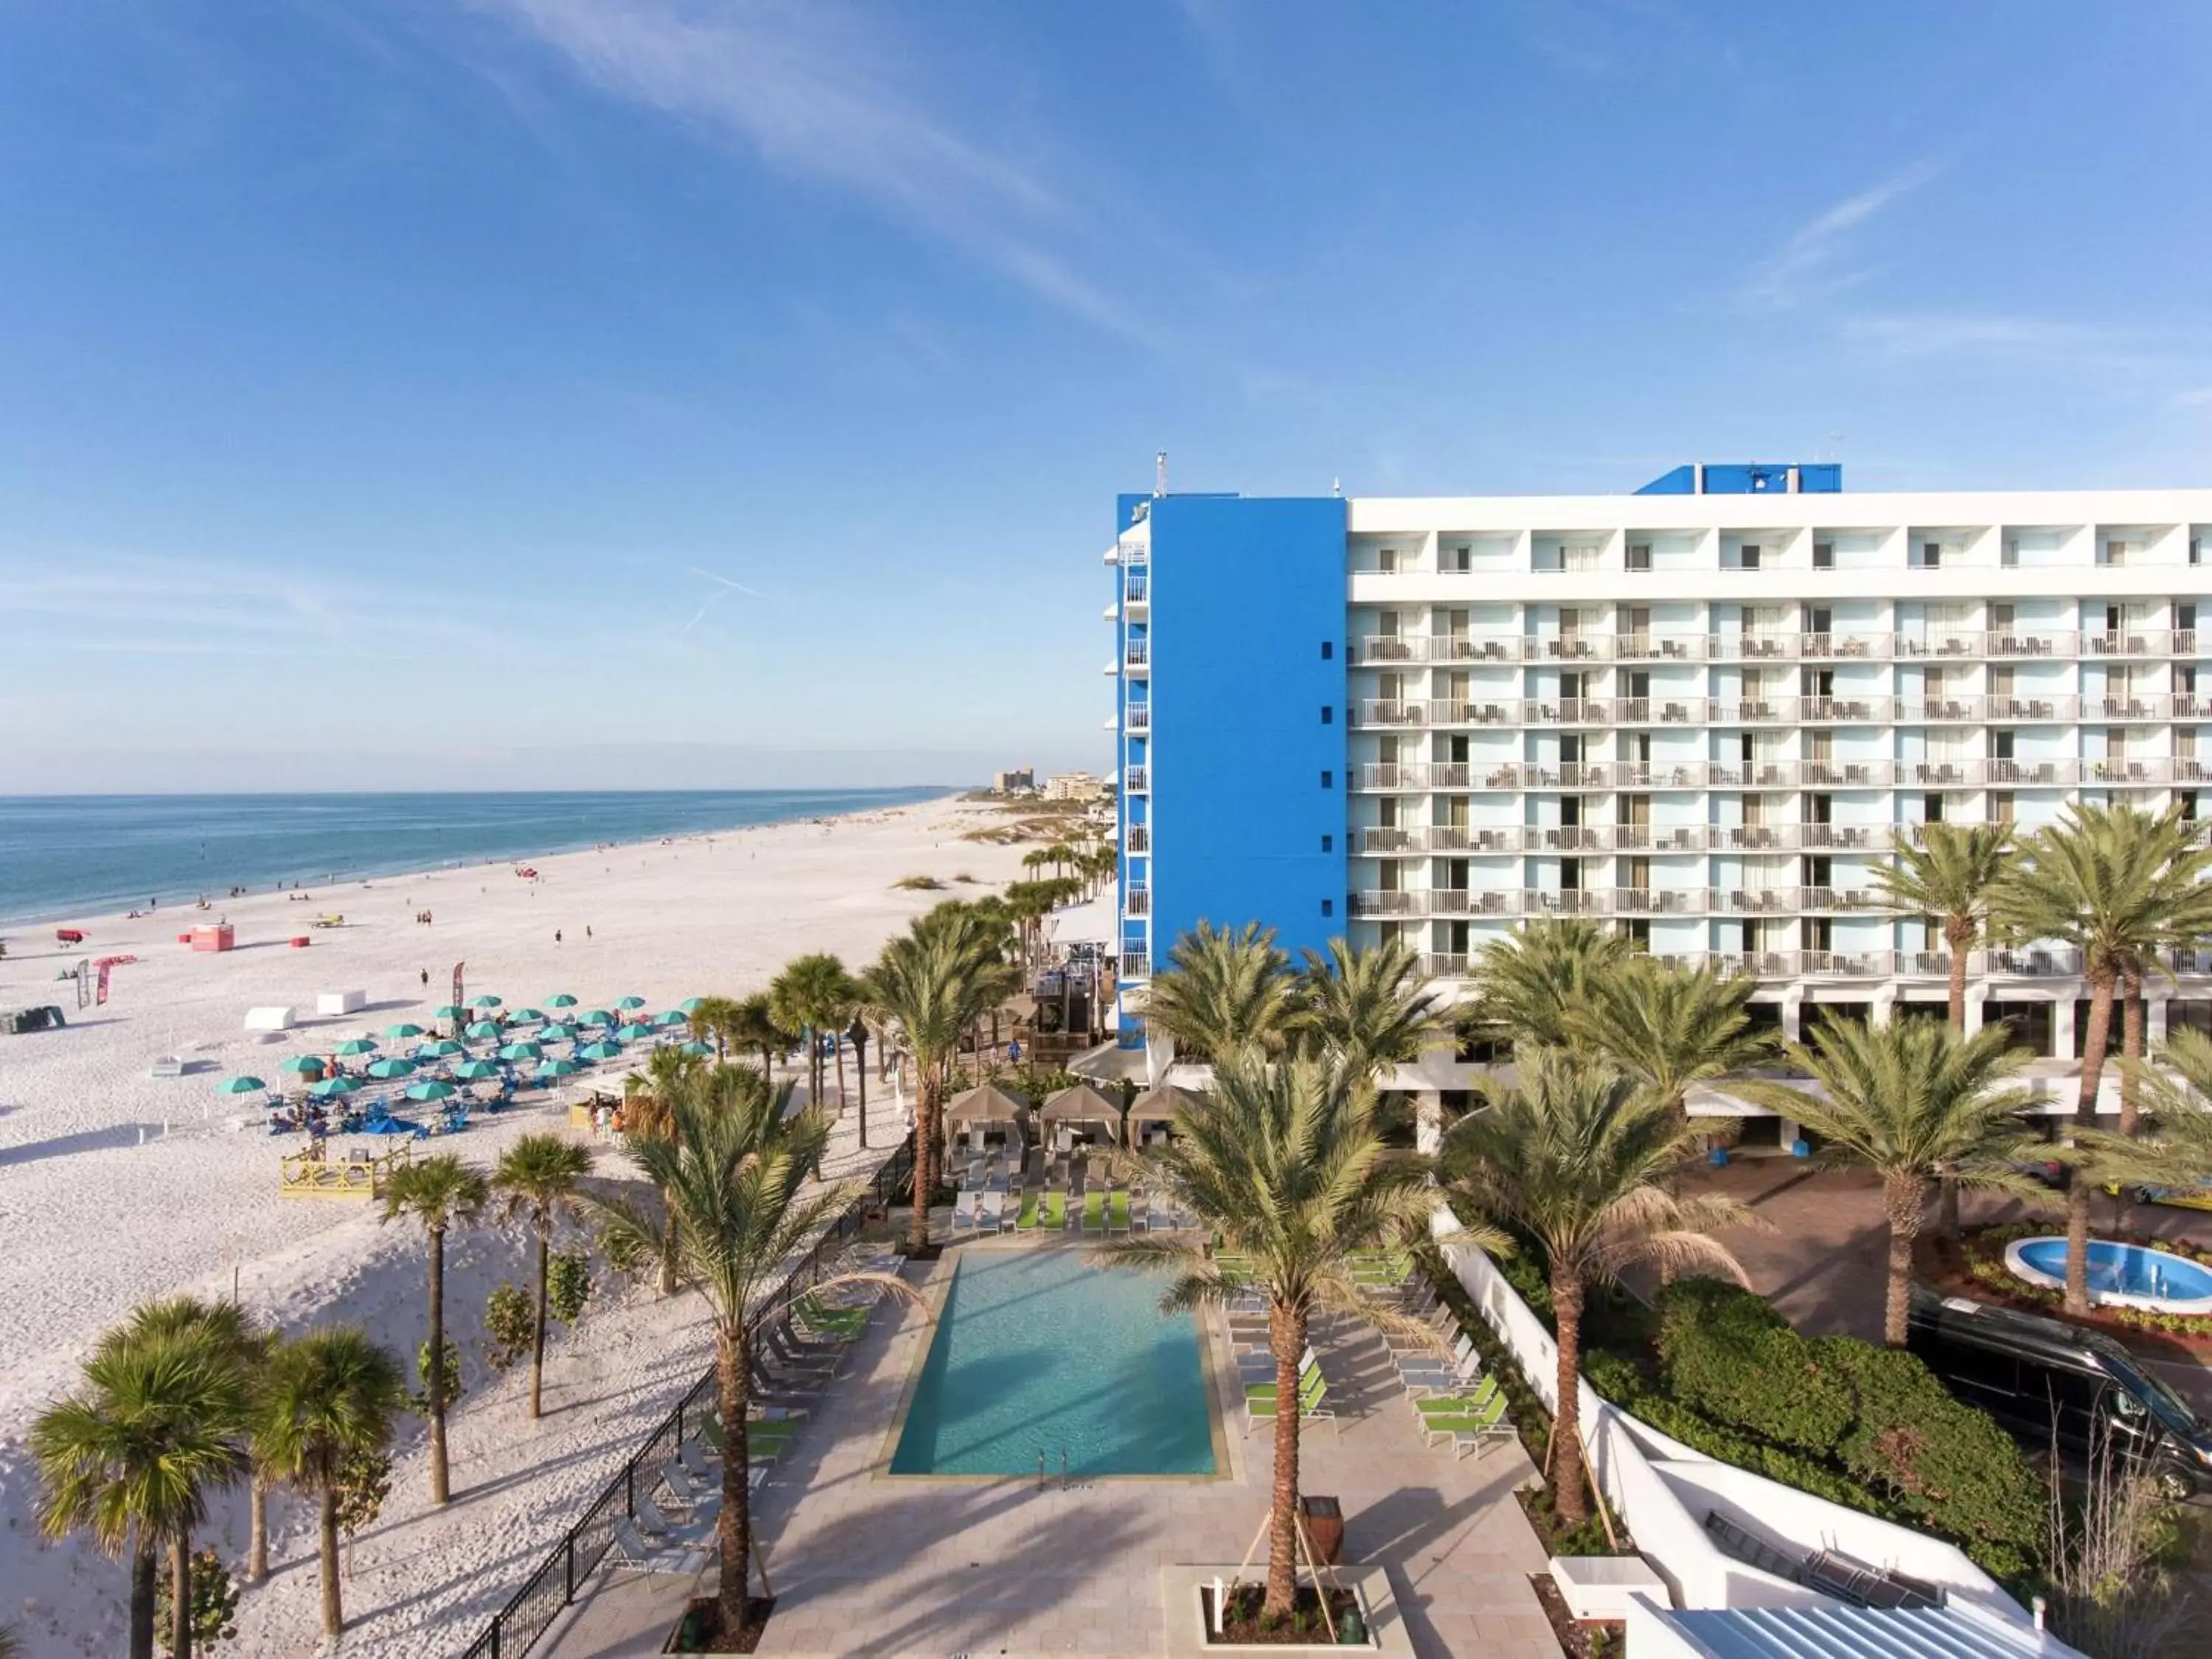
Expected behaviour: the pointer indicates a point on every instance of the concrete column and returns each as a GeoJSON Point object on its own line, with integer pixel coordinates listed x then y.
{"type": "Point", "coordinates": [2062, 1027]}
{"type": "Point", "coordinates": [2155, 1023]}
{"type": "Point", "coordinates": [1885, 1005]}
{"type": "Point", "coordinates": [1793, 1014]}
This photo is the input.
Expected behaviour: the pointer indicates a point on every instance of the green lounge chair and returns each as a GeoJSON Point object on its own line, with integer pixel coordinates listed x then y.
{"type": "Point", "coordinates": [1460, 1405]}
{"type": "Point", "coordinates": [1026, 1216]}
{"type": "Point", "coordinates": [1313, 1403]}
{"type": "Point", "coordinates": [1466, 1432]}
{"type": "Point", "coordinates": [1053, 1211]}
{"type": "Point", "coordinates": [1117, 1212]}
{"type": "Point", "coordinates": [1094, 1210]}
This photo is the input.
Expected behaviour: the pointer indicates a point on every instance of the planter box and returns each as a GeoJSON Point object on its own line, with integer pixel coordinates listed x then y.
{"type": "Point", "coordinates": [1600, 1586]}
{"type": "Point", "coordinates": [1182, 1600]}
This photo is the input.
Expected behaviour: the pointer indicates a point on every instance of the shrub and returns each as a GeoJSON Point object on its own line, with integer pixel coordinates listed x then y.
{"type": "Point", "coordinates": [453, 1374]}
{"type": "Point", "coordinates": [215, 1603]}
{"type": "Point", "coordinates": [1727, 1354]}
{"type": "Point", "coordinates": [509, 1322]}
{"type": "Point", "coordinates": [364, 1482]}
{"type": "Point", "coordinates": [919, 885]}
{"type": "Point", "coordinates": [568, 1285]}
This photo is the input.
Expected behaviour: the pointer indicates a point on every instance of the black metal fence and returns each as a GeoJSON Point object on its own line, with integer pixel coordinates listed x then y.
{"type": "Point", "coordinates": [530, 1613]}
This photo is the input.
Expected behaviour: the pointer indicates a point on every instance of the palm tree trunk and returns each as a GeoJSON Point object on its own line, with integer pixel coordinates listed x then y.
{"type": "Point", "coordinates": [144, 1568]}
{"type": "Point", "coordinates": [433, 1385]}
{"type": "Point", "coordinates": [925, 1158]}
{"type": "Point", "coordinates": [732, 1388]}
{"type": "Point", "coordinates": [538, 1328]}
{"type": "Point", "coordinates": [1946, 1207]}
{"type": "Point", "coordinates": [839, 1052]}
{"type": "Point", "coordinates": [668, 1254]}
{"type": "Point", "coordinates": [257, 1527]}
{"type": "Point", "coordinates": [333, 1606]}
{"type": "Point", "coordinates": [861, 1076]}
{"type": "Point", "coordinates": [2132, 1045]}
{"type": "Point", "coordinates": [1905, 1196]}
{"type": "Point", "coordinates": [180, 1595]}
{"type": "Point", "coordinates": [1959, 936]}
{"type": "Point", "coordinates": [2085, 1116]}
{"type": "Point", "coordinates": [1567, 1417]}
{"type": "Point", "coordinates": [1286, 1330]}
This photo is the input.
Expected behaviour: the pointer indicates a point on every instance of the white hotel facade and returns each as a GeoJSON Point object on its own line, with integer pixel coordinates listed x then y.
{"type": "Point", "coordinates": [1701, 717]}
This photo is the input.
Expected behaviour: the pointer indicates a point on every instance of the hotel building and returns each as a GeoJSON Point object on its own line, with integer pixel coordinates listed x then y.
{"type": "Point", "coordinates": [1699, 713]}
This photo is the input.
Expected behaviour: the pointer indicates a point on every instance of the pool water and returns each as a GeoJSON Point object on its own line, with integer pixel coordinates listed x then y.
{"type": "Point", "coordinates": [2126, 1275]}
{"type": "Point", "coordinates": [1041, 1351]}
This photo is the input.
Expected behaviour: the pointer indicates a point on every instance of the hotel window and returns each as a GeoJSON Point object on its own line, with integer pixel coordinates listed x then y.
{"type": "Point", "coordinates": [2113, 555]}
{"type": "Point", "coordinates": [1747, 556]}
{"type": "Point", "coordinates": [1328, 779]}
{"type": "Point", "coordinates": [2197, 550]}
{"type": "Point", "coordinates": [1328, 715]}
{"type": "Point", "coordinates": [1824, 555]}
{"type": "Point", "coordinates": [1387, 560]}
{"type": "Point", "coordinates": [1928, 556]}
{"type": "Point", "coordinates": [1640, 555]}
{"type": "Point", "coordinates": [1328, 907]}
{"type": "Point", "coordinates": [1327, 649]}
{"type": "Point", "coordinates": [1459, 560]}
{"type": "Point", "coordinates": [2009, 556]}
{"type": "Point", "coordinates": [1329, 843]}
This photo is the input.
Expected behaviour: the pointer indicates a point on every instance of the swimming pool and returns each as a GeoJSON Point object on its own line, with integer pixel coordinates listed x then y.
{"type": "Point", "coordinates": [1039, 1351]}
{"type": "Point", "coordinates": [2120, 1275]}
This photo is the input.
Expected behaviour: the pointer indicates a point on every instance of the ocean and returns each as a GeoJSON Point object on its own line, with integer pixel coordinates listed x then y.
{"type": "Point", "coordinates": [64, 856]}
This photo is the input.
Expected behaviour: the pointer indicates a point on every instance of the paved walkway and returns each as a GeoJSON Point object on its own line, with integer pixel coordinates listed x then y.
{"type": "Point", "coordinates": [866, 1564]}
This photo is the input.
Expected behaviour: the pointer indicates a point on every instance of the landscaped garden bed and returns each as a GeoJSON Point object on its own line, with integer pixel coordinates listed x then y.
{"type": "Point", "coordinates": [700, 1631]}
{"type": "Point", "coordinates": [1244, 1624]}
{"type": "Point", "coordinates": [1973, 1265]}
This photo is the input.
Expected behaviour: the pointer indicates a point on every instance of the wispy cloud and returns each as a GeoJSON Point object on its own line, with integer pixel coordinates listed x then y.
{"type": "Point", "coordinates": [817, 93]}
{"type": "Point", "coordinates": [1815, 261]}
{"type": "Point", "coordinates": [723, 588]}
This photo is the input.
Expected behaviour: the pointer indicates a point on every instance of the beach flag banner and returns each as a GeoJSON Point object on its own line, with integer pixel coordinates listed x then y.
{"type": "Point", "coordinates": [100, 996]}
{"type": "Point", "coordinates": [459, 1001]}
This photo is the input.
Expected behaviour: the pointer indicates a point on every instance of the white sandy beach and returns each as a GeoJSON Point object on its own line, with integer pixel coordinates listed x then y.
{"type": "Point", "coordinates": [115, 1187]}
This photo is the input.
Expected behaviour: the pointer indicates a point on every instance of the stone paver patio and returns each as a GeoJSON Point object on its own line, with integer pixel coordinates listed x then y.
{"type": "Point", "coordinates": [864, 1563]}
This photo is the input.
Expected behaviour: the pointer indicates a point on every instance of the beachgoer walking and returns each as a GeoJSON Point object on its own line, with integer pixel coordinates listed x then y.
{"type": "Point", "coordinates": [587, 930]}
{"type": "Point", "coordinates": [557, 935]}
{"type": "Point", "coordinates": [426, 978]}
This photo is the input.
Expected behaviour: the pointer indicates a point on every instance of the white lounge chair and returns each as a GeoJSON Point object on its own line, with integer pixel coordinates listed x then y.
{"type": "Point", "coordinates": [681, 1560]}
{"type": "Point", "coordinates": [963, 1210]}
{"type": "Point", "coordinates": [991, 1215]}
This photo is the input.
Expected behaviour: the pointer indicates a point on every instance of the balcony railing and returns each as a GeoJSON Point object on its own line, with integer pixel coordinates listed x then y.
{"type": "Point", "coordinates": [2013, 642]}
{"type": "Point", "coordinates": [1847, 774]}
{"type": "Point", "coordinates": [1450, 711]}
{"type": "Point", "coordinates": [1747, 648]}
{"type": "Point", "coordinates": [2125, 773]}
{"type": "Point", "coordinates": [1845, 710]}
{"type": "Point", "coordinates": [1394, 902]}
{"type": "Point", "coordinates": [1137, 717]}
{"type": "Point", "coordinates": [1659, 838]}
{"type": "Point", "coordinates": [1658, 648]}
{"type": "Point", "coordinates": [1472, 648]}
{"type": "Point", "coordinates": [1753, 774]}
{"type": "Point", "coordinates": [2033, 774]}
{"type": "Point", "coordinates": [1562, 647]}
{"type": "Point", "coordinates": [1923, 711]}
{"type": "Point", "coordinates": [1839, 837]}
{"type": "Point", "coordinates": [1136, 590]}
{"type": "Point", "coordinates": [1940, 775]}
{"type": "Point", "coordinates": [1558, 775]}
{"type": "Point", "coordinates": [1754, 711]}
{"type": "Point", "coordinates": [2029, 963]}
{"type": "Point", "coordinates": [1393, 647]}
{"type": "Point", "coordinates": [1787, 901]}
{"type": "Point", "coordinates": [1137, 654]}
{"type": "Point", "coordinates": [1417, 774]}
{"type": "Point", "coordinates": [2153, 706]}
{"type": "Point", "coordinates": [1829, 648]}
{"type": "Point", "coordinates": [1845, 964]}
{"type": "Point", "coordinates": [1915, 646]}
{"type": "Point", "coordinates": [2135, 642]}
{"type": "Point", "coordinates": [2011, 707]}
{"type": "Point", "coordinates": [1139, 903]}
{"type": "Point", "coordinates": [1446, 965]}
{"type": "Point", "coordinates": [1136, 964]}
{"type": "Point", "coordinates": [1383, 712]}
{"type": "Point", "coordinates": [1133, 779]}
{"type": "Point", "coordinates": [1753, 837]}
{"type": "Point", "coordinates": [1566, 711]}
{"type": "Point", "coordinates": [1138, 841]}
{"type": "Point", "coordinates": [1658, 901]}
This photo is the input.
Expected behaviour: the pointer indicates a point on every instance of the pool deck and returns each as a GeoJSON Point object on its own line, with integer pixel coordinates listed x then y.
{"type": "Point", "coordinates": [865, 1563]}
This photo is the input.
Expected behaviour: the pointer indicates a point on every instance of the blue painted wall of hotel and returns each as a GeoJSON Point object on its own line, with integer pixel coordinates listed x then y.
{"type": "Point", "coordinates": [1756, 478]}
{"type": "Point", "coordinates": [1247, 782]}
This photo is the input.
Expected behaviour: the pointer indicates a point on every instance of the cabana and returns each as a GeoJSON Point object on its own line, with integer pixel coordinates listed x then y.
{"type": "Point", "coordinates": [1081, 1107]}
{"type": "Point", "coordinates": [1154, 1111]}
{"type": "Point", "coordinates": [985, 1106]}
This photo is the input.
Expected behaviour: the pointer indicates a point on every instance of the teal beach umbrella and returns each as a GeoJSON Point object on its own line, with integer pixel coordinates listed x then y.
{"type": "Point", "coordinates": [391, 1068]}
{"type": "Point", "coordinates": [595, 1017]}
{"type": "Point", "coordinates": [559, 999]}
{"type": "Point", "coordinates": [557, 1068]}
{"type": "Point", "coordinates": [485, 1028]}
{"type": "Point", "coordinates": [331, 1086]}
{"type": "Point", "coordinates": [631, 1002]}
{"type": "Point", "coordinates": [635, 1033]}
{"type": "Point", "coordinates": [475, 1071]}
{"type": "Point", "coordinates": [701, 1049]}
{"type": "Point", "coordinates": [602, 1049]}
{"type": "Point", "coordinates": [525, 1017]}
{"type": "Point", "coordinates": [690, 1005]}
{"type": "Point", "coordinates": [485, 1002]}
{"type": "Point", "coordinates": [408, 1029]}
{"type": "Point", "coordinates": [431, 1088]}
{"type": "Point", "coordinates": [556, 1032]}
{"type": "Point", "coordinates": [522, 1051]}
{"type": "Point", "coordinates": [668, 1017]}
{"type": "Point", "coordinates": [450, 1010]}
{"type": "Point", "coordinates": [240, 1086]}
{"type": "Point", "coordinates": [358, 1046]}
{"type": "Point", "coordinates": [304, 1065]}
{"type": "Point", "coordinates": [440, 1048]}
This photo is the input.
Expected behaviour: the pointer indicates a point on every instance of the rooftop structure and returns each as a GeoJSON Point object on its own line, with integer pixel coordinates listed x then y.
{"type": "Point", "coordinates": [1700, 713]}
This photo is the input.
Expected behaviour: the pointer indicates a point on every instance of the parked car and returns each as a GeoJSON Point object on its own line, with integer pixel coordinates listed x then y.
{"type": "Point", "coordinates": [2059, 1388]}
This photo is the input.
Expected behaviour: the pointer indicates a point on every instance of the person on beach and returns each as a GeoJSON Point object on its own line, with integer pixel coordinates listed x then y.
{"type": "Point", "coordinates": [426, 979]}
{"type": "Point", "coordinates": [557, 935]}
{"type": "Point", "coordinates": [587, 930]}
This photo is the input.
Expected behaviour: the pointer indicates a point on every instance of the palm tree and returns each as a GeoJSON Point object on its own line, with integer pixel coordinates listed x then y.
{"type": "Point", "coordinates": [131, 1457]}
{"type": "Point", "coordinates": [1953, 877]}
{"type": "Point", "coordinates": [1286, 1161]}
{"type": "Point", "coordinates": [933, 983]}
{"type": "Point", "coordinates": [1528, 984]}
{"type": "Point", "coordinates": [2176, 1150]}
{"type": "Point", "coordinates": [1667, 1028]}
{"type": "Point", "coordinates": [1224, 991]}
{"type": "Point", "coordinates": [754, 1026]}
{"type": "Point", "coordinates": [538, 1177]}
{"type": "Point", "coordinates": [2119, 886]}
{"type": "Point", "coordinates": [437, 1191]}
{"type": "Point", "coordinates": [327, 1396]}
{"type": "Point", "coordinates": [1912, 1100]}
{"type": "Point", "coordinates": [1369, 1008]}
{"type": "Point", "coordinates": [733, 1177]}
{"type": "Point", "coordinates": [716, 1020]}
{"type": "Point", "coordinates": [807, 997]}
{"type": "Point", "coordinates": [244, 1343]}
{"type": "Point", "coordinates": [857, 1035]}
{"type": "Point", "coordinates": [1578, 1159]}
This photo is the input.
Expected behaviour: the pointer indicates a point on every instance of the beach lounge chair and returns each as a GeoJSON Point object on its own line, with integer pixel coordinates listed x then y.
{"type": "Point", "coordinates": [1312, 1404]}
{"type": "Point", "coordinates": [1468, 1430]}
{"type": "Point", "coordinates": [1026, 1217]}
{"type": "Point", "coordinates": [1459, 1404]}
{"type": "Point", "coordinates": [1434, 1373]}
{"type": "Point", "coordinates": [963, 1210]}
{"type": "Point", "coordinates": [685, 1561]}
{"type": "Point", "coordinates": [1094, 1210]}
{"type": "Point", "coordinates": [1117, 1212]}
{"type": "Point", "coordinates": [1258, 1371]}
{"type": "Point", "coordinates": [991, 1214]}
{"type": "Point", "coordinates": [1053, 1211]}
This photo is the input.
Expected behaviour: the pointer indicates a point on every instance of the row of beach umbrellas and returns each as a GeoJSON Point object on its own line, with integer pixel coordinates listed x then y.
{"type": "Point", "coordinates": [629, 1027]}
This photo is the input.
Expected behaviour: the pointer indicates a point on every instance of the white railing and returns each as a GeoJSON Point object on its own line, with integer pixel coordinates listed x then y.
{"type": "Point", "coordinates": [2011, 706]}
{"type": "Point", "coordinates": [1848, 774]}
{"type": "Point", "coordinates": [1832, 647]}
{"type": "Point", "coordinates": [1379, 711]}
{"type": "Point", "coordinates": [1846, 710]}
{"type": "Point", "coordinates": [1922, 711]}
{"type": "Point", "coordinates": [1658, 648]}
{"type": "Point", "coordinates": [1137, 717]}
{"type": "Point", "coordinates": [1750, 648]}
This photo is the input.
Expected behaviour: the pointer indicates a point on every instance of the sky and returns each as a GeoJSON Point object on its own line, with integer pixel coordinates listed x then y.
{"type": "Point", "coordinates": [546, 393]}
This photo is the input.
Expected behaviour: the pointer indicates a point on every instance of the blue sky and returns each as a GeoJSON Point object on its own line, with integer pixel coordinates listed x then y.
{"type": "Point", "coordinates": [651, 391]}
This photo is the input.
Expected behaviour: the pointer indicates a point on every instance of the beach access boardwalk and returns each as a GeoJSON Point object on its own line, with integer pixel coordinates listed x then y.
{"type": "Point", "coordinates": [865, 1563]}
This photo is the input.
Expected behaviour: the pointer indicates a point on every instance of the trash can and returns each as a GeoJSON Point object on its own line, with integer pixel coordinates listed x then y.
{"type": "Point", "coordinates": [1324, 1519]}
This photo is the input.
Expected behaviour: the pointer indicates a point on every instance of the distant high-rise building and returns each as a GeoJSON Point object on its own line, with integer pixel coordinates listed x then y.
{"type": "Point", "coordinates": [1007, 783]}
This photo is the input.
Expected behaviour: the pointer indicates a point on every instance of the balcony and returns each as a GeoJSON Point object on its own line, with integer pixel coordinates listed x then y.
{"type": "Point", "coordinates": [1566, 711]}
{"type": "Point", "coordinates": [1940, 775]}
{"type": "Point", "coordinates": [2189, 962]}
{"type": "Point", "coordinates": [1566, 838]}
{"type": "Point", "coordinates": [2032, 708]}
{"type": "Point", "coordinates": [1759, 964]}
{"type": "Point", "coordinates": [1133, 780]}
{"type": "Point", "coordinates": [1838, 837]}
{"type": "Point", "coordinates": [1138, 841]}
{"type": "Point", "coordinates": [2136, 706]}
{"type": "Point", "coordinates": [1659, 838]}
{"type": "Point", "coordinates": [1750, 648]}
{"type": "Point", "coordinates": [1562, 647]}
{"type": "Point", "coordinates": [1838, 964]}
{"type": "Point", "coordinates": [1393, 647]}
{"type": "Point", "coordinates": [1927, 711]}
{"type": "Point", "coordinates": [1758, 774]}
{"type": "Point", "coordinates": [1955, 647]}
{"type": "Point", "coordinates": [2029, 963]}
{"type": "Point", "coordinates": [1382, 840]}
{"type": "Point", "coordinates": [1383, 712]}
{"type": "Point", "coordinates": [2133, 642]}
{"type": "Point", "coordinates": [1658, 648]}
{"type": "Point", "coordinates": [2127, 774]}
{"type": "Point", "coordinates": [1136, 590]}
{"type": "Point", "coordinates": [1137, 717]}
{"type": "Point", "coordinates": [1560, 775]}
{"type": "Point", "coordinates": [1394, 902]}
{"type": "Point", "coordinates": [1658, 901]}
{"type": "Point", "coordinates": [1753, 837]}
{"type": "Point", "coordinates": [1418, 774]}
{"type": "Point", "coordinates": [1452, 712]}
{"type": "Point", "coordinates": [1754, 711]}
{"type": "Point", "coordinates": [1139, 902]}
{"type": "Point", "coordinates": [1832, 647]}
{"type": "Point", "coordinates": [1136, 964]}
{"type": "Point", "coordinates": [1467, 901]}
{"type": "Point", "coordinates": [2012, 643]}
{"type": "Point", "coordinates": [1933, 964]}
{"type": "Point", "coordinates": [2034, 774]}
{"type": "Point", "coordinates": [1395, 841]}
{"type": "Point", "coordinates": [1137, 656]}
{"type": "Point", "coordinates": [1463, 647]}
{"type": "Point", "coordinates": [1845, 711]}
{"type": "Point", "coordinates": [1448, 965]}
{"type": "Point", "coordinates": [1789, 901]}
{"type": "Point", "coordinates": [2187, 769]}
{"type": "Point", "coordinates": [1642, 774]}
{"type": "Point", "coordinates": [1847, 775]}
